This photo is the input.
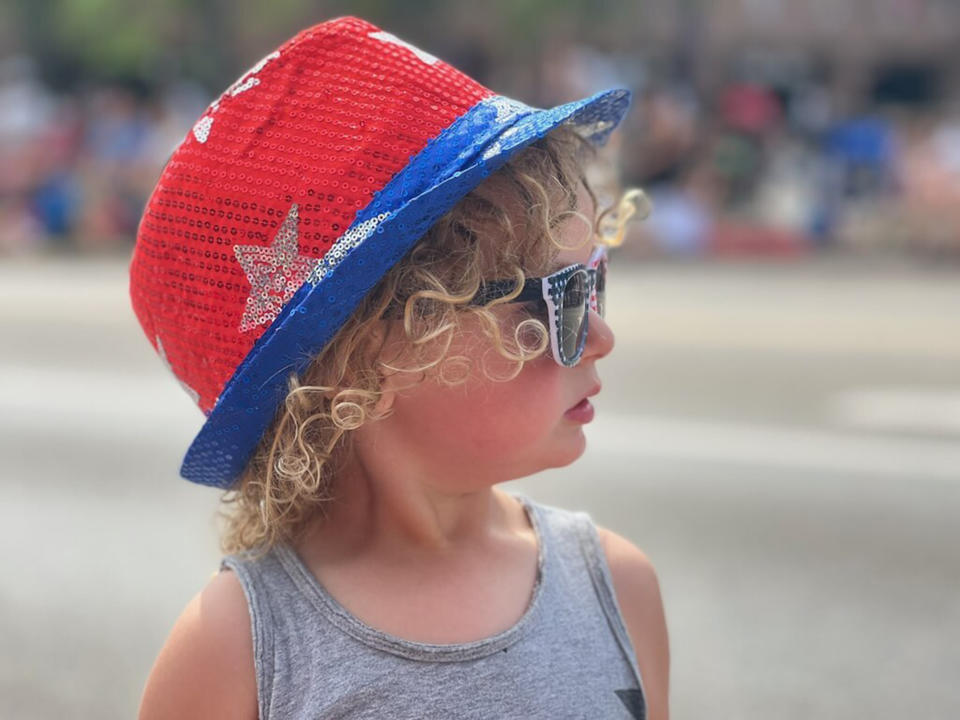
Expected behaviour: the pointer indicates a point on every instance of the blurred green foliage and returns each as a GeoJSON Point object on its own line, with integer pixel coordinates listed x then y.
{"type": "Point", "coordinates": [146, 43]}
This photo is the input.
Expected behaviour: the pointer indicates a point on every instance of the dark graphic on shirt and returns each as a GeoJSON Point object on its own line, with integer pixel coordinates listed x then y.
{"type": "Point", "coordinates": [633, 700]}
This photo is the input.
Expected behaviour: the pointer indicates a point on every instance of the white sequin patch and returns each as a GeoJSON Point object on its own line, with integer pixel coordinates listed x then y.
{"type": "Point", "coordinates": [201, 131]}
{"type": "Point", "coordinates": [243, 82]}
{"type": "Point", "coordinates": [497, 146]}
{"type": "Point", "coordinates": [344, 244]}
{"type": "Point", "coordinates": [492, 150]}
{"type": "Point", "coordinates": [244, 86]}
{"type": "Point", "coordinates": [507, 108]}
{"type": "Point", "coordinates": [263, 61]}
{"type": "Point", "coordinates": [390, 38]}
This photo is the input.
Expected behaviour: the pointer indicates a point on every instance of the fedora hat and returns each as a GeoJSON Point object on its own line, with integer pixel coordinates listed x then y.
{"type": "Point", "coordinates": [292, 195]}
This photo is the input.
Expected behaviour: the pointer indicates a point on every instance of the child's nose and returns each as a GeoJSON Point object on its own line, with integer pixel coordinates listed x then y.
{"type": "Point", "coordinates": [600, 339]}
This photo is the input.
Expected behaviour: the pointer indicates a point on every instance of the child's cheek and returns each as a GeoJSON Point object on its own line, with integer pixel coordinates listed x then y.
{"type": "Point", "coordinates": [508, 422]}
{"type": "Point", "coordinates": [523, 410]}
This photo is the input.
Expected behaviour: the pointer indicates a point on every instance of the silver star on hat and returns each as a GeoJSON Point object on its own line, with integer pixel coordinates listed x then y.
{"type": "Point", "coordinates": [275, 272]}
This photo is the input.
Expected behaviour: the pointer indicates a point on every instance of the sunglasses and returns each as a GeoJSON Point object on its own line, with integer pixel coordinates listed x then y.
{"type": "Point", "coordinates": [569, 294]}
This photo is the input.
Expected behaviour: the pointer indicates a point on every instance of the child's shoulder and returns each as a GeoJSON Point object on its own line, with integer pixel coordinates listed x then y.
{"type": "Point", "coordinates": [206, 667]}
{"type": "Point", "coordinates": [637, 591]}
{"type": "Point", "coordinates": [567, 520]}
{"type": "Point", "coordinates": [632, 571]}
{"type": "Point", "coordinates": [638, 595]}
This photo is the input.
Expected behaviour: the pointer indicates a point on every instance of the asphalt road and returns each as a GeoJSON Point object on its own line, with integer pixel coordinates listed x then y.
{"type": "Point", "coordinates": [783, 441]}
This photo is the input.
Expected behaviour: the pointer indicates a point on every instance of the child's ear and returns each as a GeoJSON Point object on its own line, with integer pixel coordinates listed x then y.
{"type": "Point", "coordinates": [388, 393]}
{"type": "Point", "coordinates": [385, 336]}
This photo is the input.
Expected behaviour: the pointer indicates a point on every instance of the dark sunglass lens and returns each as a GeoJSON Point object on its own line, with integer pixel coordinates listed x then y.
{"type": "Point", "coordinates": [573, 324]}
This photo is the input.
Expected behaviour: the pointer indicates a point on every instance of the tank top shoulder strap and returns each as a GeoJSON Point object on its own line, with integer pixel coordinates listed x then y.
{"type": "Point", "coordinates": [574, 534]}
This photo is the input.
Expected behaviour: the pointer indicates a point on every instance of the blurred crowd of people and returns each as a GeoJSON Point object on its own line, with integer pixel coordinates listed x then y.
{"type": "Point", "coordinates": [76, 168]}
{"type": "Point", "coordinates": [761, 170]}
{"type": "Point", "coordinates": [754, 169]}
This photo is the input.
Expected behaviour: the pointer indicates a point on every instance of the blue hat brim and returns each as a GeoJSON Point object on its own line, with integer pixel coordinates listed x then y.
{"type": "Point", "coordinates": [450, 166]}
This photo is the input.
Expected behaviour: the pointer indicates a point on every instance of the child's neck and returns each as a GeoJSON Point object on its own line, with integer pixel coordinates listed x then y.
{"type": "Point", "coordinates": [416, 525]}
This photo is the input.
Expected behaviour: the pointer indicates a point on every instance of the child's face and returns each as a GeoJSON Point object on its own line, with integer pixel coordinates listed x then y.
{"type": "Point", "coordinates": [503, 430]}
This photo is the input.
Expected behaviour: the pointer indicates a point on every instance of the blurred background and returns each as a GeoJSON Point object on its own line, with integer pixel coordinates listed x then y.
{"type": "Point", "coordinates": [780, 424]}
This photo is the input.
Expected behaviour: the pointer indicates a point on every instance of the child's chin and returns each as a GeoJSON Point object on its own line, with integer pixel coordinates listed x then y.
{"type": "Point", "coordinates": [570, 450]}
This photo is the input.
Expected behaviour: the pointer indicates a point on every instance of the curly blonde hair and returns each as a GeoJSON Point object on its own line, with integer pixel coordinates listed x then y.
{"type": "Point", "coordinates": [504, 228]}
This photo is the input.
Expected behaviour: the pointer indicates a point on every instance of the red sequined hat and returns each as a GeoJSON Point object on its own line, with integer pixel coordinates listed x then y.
{"type": "Point", "coordinates": [296, 190]}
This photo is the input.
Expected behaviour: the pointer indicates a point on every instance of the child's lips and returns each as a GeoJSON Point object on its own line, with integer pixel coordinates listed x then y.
{"type": "Point", "coordinates": [583, 410]}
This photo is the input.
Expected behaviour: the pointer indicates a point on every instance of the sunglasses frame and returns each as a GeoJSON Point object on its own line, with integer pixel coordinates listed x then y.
{"type": "Point", "coordinates": [549, 290]}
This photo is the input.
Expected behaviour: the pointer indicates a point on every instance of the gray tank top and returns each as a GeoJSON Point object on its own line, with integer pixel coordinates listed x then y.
{"type": "Point", "coordinates": [568, 656]}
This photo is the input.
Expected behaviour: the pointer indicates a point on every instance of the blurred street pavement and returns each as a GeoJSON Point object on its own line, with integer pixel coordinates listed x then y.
{"type": "Point", "coordinates": [782, 440]}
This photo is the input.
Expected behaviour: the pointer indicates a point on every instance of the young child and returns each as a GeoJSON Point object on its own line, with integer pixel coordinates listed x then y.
{"type": "Point", "coordinates": [381, 283]}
